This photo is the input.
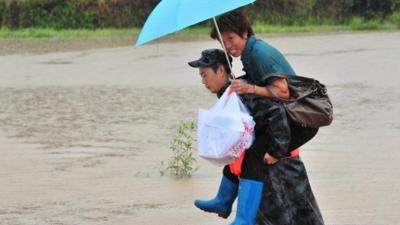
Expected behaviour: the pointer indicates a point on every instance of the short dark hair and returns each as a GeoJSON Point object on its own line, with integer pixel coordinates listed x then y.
{"type": "Point", "coordinates": [224, 64]}
{"type": "Point", "coordinates": [235, 21]}
{"type": "Point", "coordinates": [212, 58]}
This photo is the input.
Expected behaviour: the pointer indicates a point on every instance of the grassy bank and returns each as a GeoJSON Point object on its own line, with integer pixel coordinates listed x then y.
{"type": "Point", "coordinates": [67, 33]}
{"type": "Point", "coordinates": [355, 25]}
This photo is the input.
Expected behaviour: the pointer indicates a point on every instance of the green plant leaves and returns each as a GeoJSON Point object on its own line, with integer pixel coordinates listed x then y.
{"type": "Point", "coordinates": [182, 163]}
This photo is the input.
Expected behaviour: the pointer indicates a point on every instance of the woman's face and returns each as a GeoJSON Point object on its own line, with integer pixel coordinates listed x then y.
{"type": "Point", "coordinates": [234, 43]}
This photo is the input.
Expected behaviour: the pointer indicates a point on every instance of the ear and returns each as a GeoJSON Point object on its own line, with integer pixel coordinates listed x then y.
{"type": "Point", "coordinates": [221, 69]}
{"type": "Point", "coordinates": [245, 35]}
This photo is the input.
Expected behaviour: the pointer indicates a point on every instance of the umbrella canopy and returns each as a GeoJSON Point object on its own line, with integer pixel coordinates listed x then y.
{"type": "Point", "coordinates": [173, 15]}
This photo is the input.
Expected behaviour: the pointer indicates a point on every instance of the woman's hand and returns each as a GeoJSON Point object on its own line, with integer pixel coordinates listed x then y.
{"type": "Point", "coordinates": [270, 160]}
{"type": "Point", "coordinates": [241, 87]}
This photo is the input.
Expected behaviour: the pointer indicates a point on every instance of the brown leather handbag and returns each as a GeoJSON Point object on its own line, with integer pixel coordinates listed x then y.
{"type": "Point", "coordinates": [309, 104]}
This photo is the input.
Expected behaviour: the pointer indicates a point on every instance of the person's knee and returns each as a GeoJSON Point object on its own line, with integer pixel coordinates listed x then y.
{"type": "Point", "coordinates": [252, 168]}
{"type": "Point", "coordinates": [228, 174]}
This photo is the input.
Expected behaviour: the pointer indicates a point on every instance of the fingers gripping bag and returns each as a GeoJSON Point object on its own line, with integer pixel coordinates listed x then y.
{"type": "Point", "coordinates": [225, 130]}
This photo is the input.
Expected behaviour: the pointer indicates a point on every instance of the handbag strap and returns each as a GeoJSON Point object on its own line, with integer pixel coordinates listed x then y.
{"type": "Point", "coordinates": [290, 77]}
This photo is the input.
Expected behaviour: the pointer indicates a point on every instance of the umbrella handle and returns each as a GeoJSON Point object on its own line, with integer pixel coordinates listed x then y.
{"type": "Point", "coordinates": [223, 46]}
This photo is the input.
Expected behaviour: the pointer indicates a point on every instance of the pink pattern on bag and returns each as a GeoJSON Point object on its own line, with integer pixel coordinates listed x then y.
{"type": "Point", "coordinates": [243, 143]}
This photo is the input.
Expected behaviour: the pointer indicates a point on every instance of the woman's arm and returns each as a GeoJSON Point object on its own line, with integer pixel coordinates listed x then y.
{"type": "Point", "coordinates": [264, 60]}
{"type": "Point", "coordinates": [280, 86]}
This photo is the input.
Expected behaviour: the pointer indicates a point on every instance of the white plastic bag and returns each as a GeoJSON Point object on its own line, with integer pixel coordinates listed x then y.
{"type": "Point", "coordinates": [225, 130]}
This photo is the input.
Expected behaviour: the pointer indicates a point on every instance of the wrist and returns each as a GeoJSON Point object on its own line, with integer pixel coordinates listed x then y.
{"type": "Point", "coordinates": [249, 89]}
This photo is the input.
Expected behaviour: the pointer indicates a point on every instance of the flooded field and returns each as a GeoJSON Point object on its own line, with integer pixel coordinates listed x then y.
{"type": "Point", "coordinates": [82, 132]}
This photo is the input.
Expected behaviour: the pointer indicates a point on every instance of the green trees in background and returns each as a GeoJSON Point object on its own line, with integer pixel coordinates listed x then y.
{"type": "Point", "coordinates": [63, 14]}
{"type": "Point", "coordinates": [298, 12]}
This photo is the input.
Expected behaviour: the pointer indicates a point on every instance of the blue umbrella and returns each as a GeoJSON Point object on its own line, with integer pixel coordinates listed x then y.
{"type": "Point", "coordinates": [173, 15]}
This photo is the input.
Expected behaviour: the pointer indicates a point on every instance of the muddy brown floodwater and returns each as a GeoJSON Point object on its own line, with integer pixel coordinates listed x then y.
{"type": "Point", "coordinates": [82, 131]}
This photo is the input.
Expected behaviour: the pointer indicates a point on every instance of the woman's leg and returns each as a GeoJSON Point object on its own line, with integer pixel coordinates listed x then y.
{"type": "Point", "coordinates": [289, 198]}
{"type": "Point", "coordinates": [226, 195]}
{"type": "Point", "coordinates": [250, 187]}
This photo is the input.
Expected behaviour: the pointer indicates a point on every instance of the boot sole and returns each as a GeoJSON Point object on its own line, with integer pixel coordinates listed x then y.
{"type": "Point", "coordinates": [224, 216]}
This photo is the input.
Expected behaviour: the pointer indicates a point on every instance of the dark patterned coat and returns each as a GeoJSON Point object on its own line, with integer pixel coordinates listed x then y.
{"type": "Point", "coordinates": [288, 198]}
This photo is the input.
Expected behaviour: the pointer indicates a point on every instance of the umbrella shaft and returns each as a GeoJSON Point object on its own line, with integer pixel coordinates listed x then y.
{"type": "Point", "coordinates": [223, 46]}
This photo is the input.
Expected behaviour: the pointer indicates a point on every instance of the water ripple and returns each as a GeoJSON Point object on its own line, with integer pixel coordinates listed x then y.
{"type": "Point", "coordinates": [96, 116]}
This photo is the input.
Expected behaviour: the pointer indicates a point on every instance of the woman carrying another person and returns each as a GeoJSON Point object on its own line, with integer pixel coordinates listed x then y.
{"type": "Point", "coordinates": [272, 136]}
{"type": "Point", "coordinates": [287, 198]}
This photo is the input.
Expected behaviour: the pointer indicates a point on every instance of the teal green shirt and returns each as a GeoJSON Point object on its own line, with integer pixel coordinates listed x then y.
{"type": "Point", "coordinates": [259, 58]}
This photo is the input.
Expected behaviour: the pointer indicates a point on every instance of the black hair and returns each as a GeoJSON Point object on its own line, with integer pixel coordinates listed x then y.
{"type": "Point", "coordinates": [215, 66]}
{"type": "Point", "coordinates": [235, 21]}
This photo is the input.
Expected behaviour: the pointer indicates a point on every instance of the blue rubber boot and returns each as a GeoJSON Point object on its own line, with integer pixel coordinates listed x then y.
{"type": "Point", "coordinates": [250, 193]}
{"type": "Point", "coordinates": [222, 203]}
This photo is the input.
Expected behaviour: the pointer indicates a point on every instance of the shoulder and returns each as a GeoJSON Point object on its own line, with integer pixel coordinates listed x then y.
{"type": "Point", "coordinates": [260, 47]}
{"type": "Point", "coordinates": [261, 50]}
